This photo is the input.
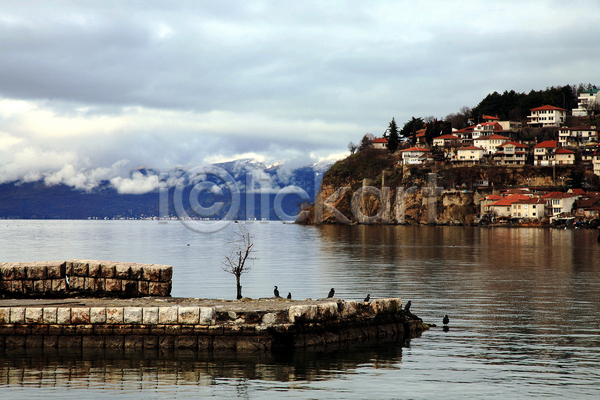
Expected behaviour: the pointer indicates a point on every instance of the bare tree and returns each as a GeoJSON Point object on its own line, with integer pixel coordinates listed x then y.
{"type": "Point", "coordinates": [352, 147]}
{"type": "Point", "coordinates": [592, 108]}
{"type": "Point", "coordinates": [235, 263]}
{"type": "Point", "coordinates": [366, 141]}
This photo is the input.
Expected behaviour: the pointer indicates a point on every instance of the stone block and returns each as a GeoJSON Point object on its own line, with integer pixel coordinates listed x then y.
{"type": "Point", "coordinates": [4, 315]}
{"type": "Point", "coordinates": [59, 285]}
{"type": "Point", "coordinates": [101, 285]}
{"type": "Point", "coordinates": [20, 271]}
{"type": "Point", "coordinates": [161, 289]}
{"type": "Point", "coordinates": [34, 315]}
{"type": "Point", "coordinates": [69, 342]}
{"type": "Point", "coordinates": [140, 329]}
{"type": "Point", "coordinates": [38, 286]}
{"type": "Point", "coordinates": [172, 329]}
{"type": "Point", "coordinates": [36, 272]}
{"type": "Point", "coordinates": [167, 315]}
{"type": "Point", "coordinates": [49, 315]}
{"type": "Point", "coordinates": [123, 329]}
{"type": "Point", "coordinates": [143, 288]}
{"type": "Point", "coordinates": [47, 285]}
{"type": "Point", "coordinates": [136, 272]}
{"type": "Point", "coordinates": [5, 286]}
{"type": "Point", "coordinates": [27, 287]}
{"type": "Point", "coordinates": [130, 287]}
{"type": "Point", "coordinates": [122, 271]}
{"type": "Point", "coordinates": [80, 315]}
{"type": "Point", "coordinates": [90, 284]}
{"type": "Point", "coordinates": [113, 285]}
{"type": "Point", "coordinates": [17, 286]}
{"type": "Point", "coordinates": [69, 330]}
{"type": "Point", "coordinates": [93, 342]}
{"type": "Point", "coordinates": [150, 315]}
{"type": "Point", "coordinates": [114, 315]}
{"type": "Point", "coordinates": [55, 270]}
{"type": "Point", "coordinates": [76, 283]}
{"type": "Point", "coordinates": [22, 329]}
{"type": "Point", "coordinates": [84, 329]}
{"type": "Point", "coordinates": [327, 311]}
{"type": "Point", "coordinates": [132, 315]}
{"type": "Point", "coordinates": [17, 315]}
{"type": "Point", "coordinates": [151, 273]}
{"type": "Point", "coordinates": [349, 309]}
{"type": "Point", "coordinates": [55, 329]}
{"type": "Point", "coordinates": [98, 315]}
{"type": "Point", "coordinates": [157, 329]}
{"type": "Point", "coordinates": [107, 269]}
{"type": "Point", "coordinates": [80, 268]}
{"type": "Point", "coordinates": [268, 319]}
{"type": "Point", "coordinates": [305, 313]}
{"type": "Point", "coordinates": [189, 315]}
{"type": "Point", "coordinates": [134, 342]}
{"type": "Point", "coordinates": [7, 272]}
{"type": "Point", "coordinates": [186, 342]}
{"type": "Point", "coordinates": [103, 329]}
{"type": "Point", "coordinates": [68, 268]}
{"type": "Point", "coordinates": [166, 273]}
{"type": "Point", "coordinates": [7, 329]}
{"type": "Point", "coordinates": [39, 329]}
{"type": "Point", "coordinates": [208, 316]}
{"type": "Point", "coordinates": [114, 342]}
{"type": "Point", "coordinates": [94, 269]}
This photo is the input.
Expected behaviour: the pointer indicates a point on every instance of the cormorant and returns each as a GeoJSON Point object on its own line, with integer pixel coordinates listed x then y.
{"type": "Point", "coordinates": [331, 293]}
{"type": "Point", "coordinates": [289, 296]}
{"type": "Point", "coordinates": [276, 292]}
{"type": "Point", "coordinates": [446, 320]}
{"type": "Point", "coordinates": [407, 307]}
{"type": "Point", "coordinates": [368, 298]}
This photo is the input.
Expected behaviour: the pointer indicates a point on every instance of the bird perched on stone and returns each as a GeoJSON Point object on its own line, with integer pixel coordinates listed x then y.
{"type": "Point", "coordinates": [289, 296]}
{"type": "Point", "coordinates": [331, 293]}
{"type": "Point", "coordinates": [368, 298]}
{"type": "Point", "coordinates": [407, 306]}
{"type": "Point", "coordinates": [276, 292]}
{"type": "Point", "coordinates": [446, 320]}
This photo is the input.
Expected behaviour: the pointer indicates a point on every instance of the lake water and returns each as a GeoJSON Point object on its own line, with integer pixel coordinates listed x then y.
{"type": "Point", "coordinates": [524, 307]}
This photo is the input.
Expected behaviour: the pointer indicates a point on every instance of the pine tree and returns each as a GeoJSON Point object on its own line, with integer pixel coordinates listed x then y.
{"type": "Point", "coordinates": [393, 137]}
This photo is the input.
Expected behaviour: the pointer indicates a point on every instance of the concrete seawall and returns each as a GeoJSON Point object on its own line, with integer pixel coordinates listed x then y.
{"type": "Point", "coordinates": [200, 325]}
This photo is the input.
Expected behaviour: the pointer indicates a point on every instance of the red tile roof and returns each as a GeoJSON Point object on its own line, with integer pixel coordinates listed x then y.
{"type": "Point", "coordinates": [564, 151]}
{"type": "Point", "coordinates": [531, 200]}
{"type": "Point", "coordinates": [380, 140]}
{"type": "Point", "coordinates": [452, 137]}
{"type": "Point", "coordinates": [489, 117]}
{"type": "Point", "coordinates": [471, 148]}
{"type": "Point", "coordinates": [547, 144]}
{"type": "Point", "coordinates": [494, 136]}
{"type": "Point", "coordinates": [558, 195]}
{"type": "Point", "coordinates": [513, 143]}
{"type": "Point", "coordinates": [415, 149]}
{"type": "Point", "coordinates": [547, 108]}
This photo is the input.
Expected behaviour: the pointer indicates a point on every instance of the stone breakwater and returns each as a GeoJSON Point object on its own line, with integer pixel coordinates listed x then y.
{"type": "Point", "coordinates": [83, 278]}
{"type": "Point", "coordinates": [258, 325]}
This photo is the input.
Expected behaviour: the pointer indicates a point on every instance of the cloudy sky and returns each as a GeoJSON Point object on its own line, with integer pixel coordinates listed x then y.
{"type": "Point", "coordinates": [90, 90]}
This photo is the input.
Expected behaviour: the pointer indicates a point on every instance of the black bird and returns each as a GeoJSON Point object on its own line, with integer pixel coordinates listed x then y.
{"type": "Point", "coordinates": [276, 292]}
{"type": "Point", "coordinates": [368, 298]}
{"type": "Point", "coordinates": [446, 320]}
{"type": "Point", "coordinates": [407, 306]}
{"type": "Point", "coordinates": [289, 296]}
{"type": "Point", "coordinates": [331, 293]}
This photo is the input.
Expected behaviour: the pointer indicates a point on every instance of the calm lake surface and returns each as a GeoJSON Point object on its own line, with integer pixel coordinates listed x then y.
{"type": "Point", "coordinates": [524, 307]}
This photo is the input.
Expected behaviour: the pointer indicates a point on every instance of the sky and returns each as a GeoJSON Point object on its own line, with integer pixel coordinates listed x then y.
{"type": "Point", "coordinates": [92, 90]}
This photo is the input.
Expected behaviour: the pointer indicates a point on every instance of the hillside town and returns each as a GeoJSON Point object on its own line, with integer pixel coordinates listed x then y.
{"type": "Point", "coordinates": [560, 138]}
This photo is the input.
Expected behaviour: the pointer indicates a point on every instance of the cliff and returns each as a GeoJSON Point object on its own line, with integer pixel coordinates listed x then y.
{"type": "Point", "coordinates": [372, 187]}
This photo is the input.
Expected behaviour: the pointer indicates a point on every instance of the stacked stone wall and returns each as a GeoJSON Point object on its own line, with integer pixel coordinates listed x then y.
{"type": "Point", "coordinates": [84, 277]}
{"type": "Point", "coordinates": [201, 328]}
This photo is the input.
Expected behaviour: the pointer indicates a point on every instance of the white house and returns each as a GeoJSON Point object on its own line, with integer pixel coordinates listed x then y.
{"type": "Point", "coordinates": [577, 136]}
{"type": "Point", "coordinates": [546, 116]}
{"type": "Point", "coordinates": [564, 157]}
{"type": "Point", "coordinates": [380, 143]}
{"type": "Point", "coordinates": [486, 129]}
{"type": "Point", "coordinates": [511, 153]}
{"type": "Point", "coordinates": [490, 143]}
{"type": "Point", "coordinates": [415, 155]}
{"type": "Point", "coordinates": [596, 163]}
{"type": "Point", "coordinates": [559, 202]}
{"type": "Point", "coordinates": [543, 153]}
{"type": "Point", "coordinates": [469, 154]}
{"type": "Point", "coordinates": [585, 97]}
{"type": "Point", "coordinates": [532, 208]}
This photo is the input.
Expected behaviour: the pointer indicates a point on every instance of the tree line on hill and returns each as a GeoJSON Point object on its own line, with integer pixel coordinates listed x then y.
{"type": "Point", "coordinates": [509, 105]}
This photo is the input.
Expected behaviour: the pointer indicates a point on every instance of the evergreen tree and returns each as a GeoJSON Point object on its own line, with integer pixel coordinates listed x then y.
{"type": "Point", "coordinates": [392, 137]}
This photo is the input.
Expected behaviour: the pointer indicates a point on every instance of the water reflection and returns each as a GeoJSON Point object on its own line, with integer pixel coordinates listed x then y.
{"type": "Point", "coordinates": [151, 369]}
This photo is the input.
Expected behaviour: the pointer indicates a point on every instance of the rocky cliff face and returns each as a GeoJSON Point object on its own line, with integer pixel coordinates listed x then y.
{"type": "Point", "coordinates": [371, 187]}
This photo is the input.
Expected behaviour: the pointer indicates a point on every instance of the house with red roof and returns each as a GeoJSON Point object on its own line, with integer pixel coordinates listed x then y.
{"type": "Point", "coordinates": [490, 143]}
{"type": "Point", "coordinates": [531, 208]}
{"type": "Point", "coordinates": [379, 143]}
{"type": "Point", "coordinates": [469, 154]}
{"type": "Point", "coordinates": [559, 202]}
{"type": "Point", "coordinates": [587, 208]}
{"type": "Point", "coordinates": [486, 129]}
{"type": "Point", "coordinates": [502, 207]}
{"type": "Point", "coordinates": [416, 156]}
{"type": "Point", "coordinates": [546, 116]}
{"type": "Point", "coordinates": [490, 118]}
{"type": "Point", "coordinates": [543, 153]}
{"type": "Point", "coordinates": [511, 153]}
{"type": "Point", "coordinates": [577, 136]}
{"type": "Point", "coordinates": [564, 157]}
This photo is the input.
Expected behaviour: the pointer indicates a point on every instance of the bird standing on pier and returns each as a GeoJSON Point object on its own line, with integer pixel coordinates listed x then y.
{"type": "Point", "coordinates": [407, 307]}
{"type": "Point", "coordinates": [289, 296]}
{"type": "Point", "coordinates": [276, 292]}
{"type": "Point", "coordinates": [446, 320]}
{"type": "Point", "coordinates": [368, 298]}
{"type": "Point", "coordinates": [331, 293]}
